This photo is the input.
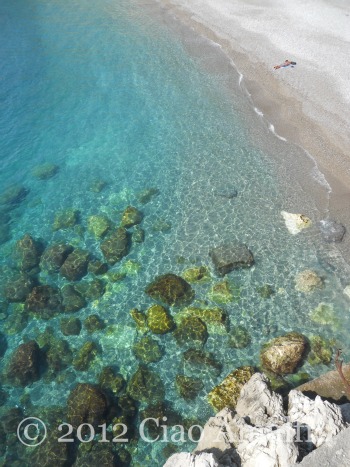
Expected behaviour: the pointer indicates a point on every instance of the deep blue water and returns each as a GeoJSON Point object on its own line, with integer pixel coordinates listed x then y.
{"type": "Point", "coordinates": [107, 92]}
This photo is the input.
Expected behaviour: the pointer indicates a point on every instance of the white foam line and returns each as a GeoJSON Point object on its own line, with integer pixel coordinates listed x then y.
{"type": "Point", "coordinates": [259, 112]}
{"type": "Point", "coordinates": [272, 129]}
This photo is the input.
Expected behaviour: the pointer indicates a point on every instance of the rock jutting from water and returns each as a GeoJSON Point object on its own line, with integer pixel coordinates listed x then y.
{"type": "Point", "coordinates": [295, 223]}
{"type": "Point", "coordinates": [230, 256]}
{"type": "Point", "coordinates": [171, 290]}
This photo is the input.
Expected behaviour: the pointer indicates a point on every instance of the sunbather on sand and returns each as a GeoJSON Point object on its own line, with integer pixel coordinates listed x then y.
{"type": "Point", "coordinates": [285, 64]}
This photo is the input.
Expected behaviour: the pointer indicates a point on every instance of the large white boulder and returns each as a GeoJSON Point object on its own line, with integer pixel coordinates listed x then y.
{"type": "Point", "coordinates": [184, 459]}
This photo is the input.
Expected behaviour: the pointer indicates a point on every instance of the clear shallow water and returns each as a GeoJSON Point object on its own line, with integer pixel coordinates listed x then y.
{"type": "Point", "coordinates": [106, 92]}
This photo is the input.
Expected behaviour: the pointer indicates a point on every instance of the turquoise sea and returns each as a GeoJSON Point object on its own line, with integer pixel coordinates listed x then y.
{"type": "Point", "coordinates": [115, 97]}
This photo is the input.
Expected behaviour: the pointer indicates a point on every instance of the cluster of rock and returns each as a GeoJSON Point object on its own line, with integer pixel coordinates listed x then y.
{"type": "Point", "coordinates": [257, 431]}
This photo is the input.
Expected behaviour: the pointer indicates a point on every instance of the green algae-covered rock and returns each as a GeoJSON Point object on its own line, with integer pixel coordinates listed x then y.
{"type": "Point", "coordinates": [321, 350]}
{"type": "Point", "coordinates": [97, 267]}
{"type": "Point", "coordinates": [198, 274]}
{"type": "Point", "coordinates": [72, 300]}
{"type": "Point", "coordinates": [18, 288]}
{"type": "Point", "coordinates": [196, 361]}
{"type": "Point", "coordinates": [147, 350]}
{"type": "Point", "coordinates": [239, 337]}
{"type": "Point", "coordinates": [159, 320]}
{"type": "Point", "coordinates": [65, 219]}
{"type": "Point", "coordinates": [44, 301]}
{"type": "Point", "coordinates": [146, 386]}
{"type": "Point", "coordinates": [138, 235]}
{"type": "Point", "coordinates": [191, 331]}
{"type": "Point", "coordinates": [140, 319]}
{"type": "Point", "coordinates": [224, 292]}
{"type": "Point", "coordinates": [75, 266]}
{"type": "Point", "coordinates": [85, 356]}
{"type": "Point", "coordinates": [284, 354]}
{"type": "Point", "coordinates": [131, 267]}
{"type": "Point", "coordinates": [50, 452]}
{"type": "Point", "coordinates": [45, 171]}
{"type": "Point", "coordinates": [98, 226]}
{"type": "Point", "coordinates": [111, 381]}
{"type": "Point", "coordinates": [324, 314]}
{"type": "Point", "coordinates": [24, 365]}
{"type": "Point", "coordinates": [131, 216]}
{"type": "Point", "coordinates": [171, 290]}
{"type": "Point", "coordinates": [265, 291]}
{"type": "Point", "coordinates": [94, 323]}
{"type": "Point", "coordinates": [116, 245]}
{"type": "Point", "coordinates": [70, 326]}
{"type": "Point", "coordinates": [146, 195]}
{"type": "Point", "coordinates": [58, 356]}
{"type": "Point", "coordinates": [27, 253]}
{"type": "Point", "coordinates": [16, 321]}
{"type": "Point", "coordinates": [86, 404]}
{"type": "Point", "coordinates": [228, 391]}
{"type": "Point", "coordinates": [214, 318]}
{"type": "Point", "coordinates": [187, 387]}
{"type": "Point", "coordinates": [54, 256]}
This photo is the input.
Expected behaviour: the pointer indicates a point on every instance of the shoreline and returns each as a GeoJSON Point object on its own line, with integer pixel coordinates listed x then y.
{"type": "Point", "coordinates": [294, 114]}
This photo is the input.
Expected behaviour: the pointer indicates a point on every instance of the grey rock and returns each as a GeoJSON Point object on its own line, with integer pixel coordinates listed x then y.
{"type": "Point", "coordinates": [226, 192]}
{"type": "Point", "coordinates": [189, 460]}
{"type": "Point", "coordinates": [345, 411]}
{"type": "Point", "coordinates": [230, 256]}
{"type": "Point", "coordinates": [331, 231]}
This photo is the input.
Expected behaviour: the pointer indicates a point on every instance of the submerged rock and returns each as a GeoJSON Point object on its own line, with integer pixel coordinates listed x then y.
{"type": "Point", "coordinates": [321, 350]}
{"type": "Point", "coordinates": [131, 216]}
{"type": "Point", "coordinates": [188, 387]}
{"type": "Point", "coordinates": [159, 320]}
{"type": "Point", "coordinates": [91, 289]}
{"type": "Point", "coordinates": [18, 289]}
{"type": "Point", "coordinates": [138, 235]}
{"type": "Point", "coordinates": [146, 195]}
{"type": "Point", "coordinates": [308, 281]}
{"type": "Point", "coordinates": [27, 253]}
{"type": "Point", "coordinates": [191, 331]}
{"type": "Point", "coordinates": [45, 171]}
{"type": "Point", "coordinates": [227, 392]}
{"type": "Point", "coordinates": [331, 231]}
{"type": "Point", "coordinates": [86, 404]}
{"type": "Point", "coordinates": [110, 380]}
{"type": "Point", "coordinates": [198, 274]}
{"type": "Point", "coordinates": [239, 337]}
{"type": "Point", "coordinates": [147, 350]}
{"type": "Point", "coordinates": [70, 326]}
{"type": "Point", "coordinates": [97, 186]}
{"type": "Point", "coordinates": [45, 301]}
{"type": "Point", "coordinates": [295, 223]}
{"type": "Point", "coordinates": [71, 299]}
{"type": "Point", "coordinates": [5, 233]}
{"type": "Point", "coordinates": [224, 292]}
{"type": "Point", "coordinates": [140, 319]}
{"type": "Point", "coordinates": [116, 246]}
{"type": "Point", "coordinates": [65, 219]}
{"type": "Point", "coordinates": [284, 354]}
{"type": "Point", "coordinates": [94, 323]}
{"type": "Point", "coordinates": [98, 226]}
{"type": "Point", "coordinates": [171, 290]}
{"type": "Point", "coordinates": [324, 314]}
{"type": "Point", "coordinates": [24, 366]}
{"type": "Point", "coordinates": [54, 256]}
{"type": "Point", "coordinates": [196, 361]}
{"type": "Point", "coordinates": [228, 192]}
{"type": "Point", "coordinates": [146, 386]}
{"type": "Point", "coordinates": [85, 356]}
{"type": "Point", "coordinates": [75, 266]}
{"type": "Point", "coordinates": [230, 256]}
{"type": "Point", "coordinates": [265, 291]}
{"type": "Point", "coordinates": [214, 318]}
{"type": "Point", "coordinates": [97, 267]}
{"type": "Point", "coordinates": [13, 195]}
{"type": "Point", "coordinates": [161, 225]}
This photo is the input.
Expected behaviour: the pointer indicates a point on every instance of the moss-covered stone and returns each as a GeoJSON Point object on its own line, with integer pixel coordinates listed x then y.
{"type": "Point", "coordinates": [224, 292]}
{"type": "Point", "coordinates": [97, 267]}
{"type": "Point", "coordinates": [85, 356]}
{"type": "Point", "coordinates": [171, 290]}
{"type": "Point", "coordinates": [65, 219]}
{"type": "Point", "coordinates": [325, 314]}
{"type": "Point", "coordinates": [18, 288]}
{"type": "Point", "coordinates": [44, 301]}
{"type": "Point", "coordinates": [72, 300]}
{"type": "Point", "coordinates": [239, 337]}
{"type": "Point", "coordinates": [27, 253]}
{"type": "Point", "coordinates": [227, 392]}
{"type": "Point", "coordinates": [145, 196]}
{"type": "Point", "coordinates": [145, 386]}
{"type": "Point", "coordinates": [49, 453]}
{"type": "Point", "coordinates": [321, 350]}
{"type": "Point", "coordinates": [161, 225]}
{"type": "Point", "coordinates": [98, 225]}
{"type": "Point", "coordinates": [214, 318]}
{"type": "Point", "coordinates": [159, 410]}
{"type": "Point", "coordinates": [159, 320]}
{"type": "Point", "coordinates": [70, 326]}
{"type": "Point", "coordinates": [200, 274]}
{"type": "Point", "coordinates": [265, 291]}
{"type": "Point", "coordinates": [138, 235]}
{"type": "Point", "coordinates": [131, 267]}
{"type": "Point", "coordinates": [140, 319]}
{"type": "Point", "coordinates": [16, 321]}
{"type": "Point", "coordinates": [45, 171]}
{"type": "Point", "coordinates": [58, 356]}
{"type": "Point", "coordinates": [284, 354]}
{"type": "Point", "coordinates": [116, 245]}
{"type": "Point", "coordinates": [86, 404]}
{"type": "Point", "coordinates": [24, 365]}
{"type": "Point", "coordinates": [131, 216]}
{"type": "Point", "coordinates": [147, 350]}
{"type": "Point", "coordinates": [109, 380]}
{"type": "Point", "coordinates": [54, 256]}
{"type": "Point", "coordinates": [75, 266]}
{"type": "Point", "coordinates": [94, 323]}
{"type": "Point", "coordinates": [187, 387]}
{"type": "Point", "coordinates": [91, 289]}
{"type": "Point", "coordinates": [191, 331]}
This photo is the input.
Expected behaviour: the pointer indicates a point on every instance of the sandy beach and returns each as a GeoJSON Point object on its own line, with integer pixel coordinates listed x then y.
{"type": "Point", "coordinates": [307, 104]}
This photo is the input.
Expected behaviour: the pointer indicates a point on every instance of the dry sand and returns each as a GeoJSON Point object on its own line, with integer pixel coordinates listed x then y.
{"type": "Point", "coordinates": [308, 104]}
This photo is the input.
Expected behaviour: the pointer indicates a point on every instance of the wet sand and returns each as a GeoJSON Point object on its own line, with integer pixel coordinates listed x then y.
{"type": "Point", "coordinates": [308, 104]}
